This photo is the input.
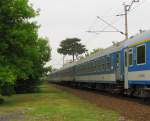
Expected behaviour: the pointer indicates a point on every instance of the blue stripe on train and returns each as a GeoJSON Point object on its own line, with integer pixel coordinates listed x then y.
{"type": "Point", "coordinates": [98, 81]}
{"type": "Point", "coordinates": [144, 67]}
{"type": "Point", "coordinates": [140, 82]}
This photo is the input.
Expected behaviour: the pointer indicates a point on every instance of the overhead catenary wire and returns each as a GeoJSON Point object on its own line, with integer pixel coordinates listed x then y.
{"type": "Point", "coordinates": [112, 17]}
{"type": "Point", "coordinates": [108, 14]}
{"type": "Point", "coordinates": [104, 16]}
{"type": "Point", "coordinates": [133, 8]}
{"type": "Point", "coordinates": [128, 8]}
{"type": "Point", "coordinates": [109, 24]}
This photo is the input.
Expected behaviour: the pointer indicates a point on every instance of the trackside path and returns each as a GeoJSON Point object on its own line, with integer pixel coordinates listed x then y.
{"type": "Point", "coordinates": [131, 109]}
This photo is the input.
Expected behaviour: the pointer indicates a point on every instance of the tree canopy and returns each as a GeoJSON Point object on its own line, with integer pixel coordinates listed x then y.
{"type": "Point", "coordinates": [71, 46]}
{"type": "Point", "coordinates": [96, 50]}
{"type": "Point", "coordinates": [22, 53]}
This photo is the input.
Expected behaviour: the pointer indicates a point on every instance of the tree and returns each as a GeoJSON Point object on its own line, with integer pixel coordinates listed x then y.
{"type": "Point", "coordinates": [22, 52]}
{"type": "Point", "coordinates": [87, 54]}
{"type": "Point", "coordinates": [71, 46]}
{"type": "Point", "coordinates": [96, 50]}
{"type": "Point", "coordinates": [40, 55]}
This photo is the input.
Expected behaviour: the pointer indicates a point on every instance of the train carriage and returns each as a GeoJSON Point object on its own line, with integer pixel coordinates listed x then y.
{"type": "Point", "coordinates": [123, 66]}
{"type": "Point", "coordinates": [137, 64]}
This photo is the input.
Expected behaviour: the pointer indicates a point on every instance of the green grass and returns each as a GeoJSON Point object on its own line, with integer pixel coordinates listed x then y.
{"type": "Point", "coordinates": [54, 105]}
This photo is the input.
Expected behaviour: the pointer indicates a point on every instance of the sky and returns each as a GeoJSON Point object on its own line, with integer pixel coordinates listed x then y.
{"type": "Point", "coordinates": [61, 19]}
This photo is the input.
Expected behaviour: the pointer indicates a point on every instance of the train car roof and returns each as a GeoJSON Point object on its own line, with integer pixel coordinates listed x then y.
{"type": "Point", "coordinates": [137, 39]}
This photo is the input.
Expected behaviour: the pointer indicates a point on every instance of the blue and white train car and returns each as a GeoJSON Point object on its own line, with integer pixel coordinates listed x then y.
{"type": "Point", "coordinates": [65, 74]}
{"type": "Point", "coordinates": [125, 66]}
{"type": "Point", "coordinates": [137, 64]}
{"type": "Point", "coordinates": [100, 69]}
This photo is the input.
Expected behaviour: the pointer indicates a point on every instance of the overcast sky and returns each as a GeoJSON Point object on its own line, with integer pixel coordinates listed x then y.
{"type": "Point", "coordinates": [61, 19]}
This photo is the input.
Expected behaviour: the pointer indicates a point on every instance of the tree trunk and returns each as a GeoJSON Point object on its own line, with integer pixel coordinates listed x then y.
{"type": "Point", "coordinates": [63, 60]}
{"type": "Point", "coordinates": [77, 56]}
{"type": "Point", "coordinates": [73, 57]}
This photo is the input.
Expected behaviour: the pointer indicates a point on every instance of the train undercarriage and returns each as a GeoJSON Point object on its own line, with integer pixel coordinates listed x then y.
{"type": "Point", "coordinates": [117, 88]}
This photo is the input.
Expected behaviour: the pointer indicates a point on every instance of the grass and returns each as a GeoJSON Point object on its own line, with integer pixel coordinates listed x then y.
{"type": "Point", "coordinates": [53, 105]}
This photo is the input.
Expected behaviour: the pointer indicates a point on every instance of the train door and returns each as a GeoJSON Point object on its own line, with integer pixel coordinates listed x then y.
{"type": "Point", "coordinates": [126, 68]}
{"type": "Point", "coordinates": [118, 66]}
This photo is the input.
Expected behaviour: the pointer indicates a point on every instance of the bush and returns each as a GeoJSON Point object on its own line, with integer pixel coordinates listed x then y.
{"type": "Point", "coordinates": [27, 86]}
{"type": "Point", "coordinates": [1, 100]}
{"type": "Point", "coordinates": [7, 89]}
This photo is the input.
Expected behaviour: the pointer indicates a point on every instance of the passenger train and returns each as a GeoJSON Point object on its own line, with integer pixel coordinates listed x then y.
{"type": "Point", "coordinates": [121, 68]}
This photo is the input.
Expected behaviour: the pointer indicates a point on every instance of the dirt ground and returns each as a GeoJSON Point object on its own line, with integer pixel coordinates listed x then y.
{"type": "Point", "coordinates": [131, 109]}
{"type": "Point", "coordinates": [19, 116]}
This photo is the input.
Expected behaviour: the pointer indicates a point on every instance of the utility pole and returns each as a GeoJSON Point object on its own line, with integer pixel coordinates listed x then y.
{"type": "Point", "coordinates": [127, 8]}
{"type": "Point", "coordinates": [126, 21]}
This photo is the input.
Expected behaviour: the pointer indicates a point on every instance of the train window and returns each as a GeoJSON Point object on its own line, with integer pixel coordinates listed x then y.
{"type": "Point", "coordinates": [111, 61]}
{"type": "Point", "coordinates": [118, 59]}
{"type": "Point", "coordinates": [103, 64]}
{"type": "Point", "coordinates": [94, 65]}
{"type": "Point", "coordinates": [99, 64]}
{"type": "Point", "coordinates": [86, 67]}
{"type": "Point", "coordinates": [125, 59]}
{"type": "Point", "coordinates": [141, 54]}
{"type": "Point", "coordinates": [89, 67]}
{"type": "Point", "coordinates": [108, 63]}
{"type": "Point", "coordinates": [130, 59]}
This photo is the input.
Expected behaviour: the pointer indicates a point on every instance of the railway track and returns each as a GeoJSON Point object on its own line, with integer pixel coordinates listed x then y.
{"type": "Point", "coordinates": [133, 109]}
